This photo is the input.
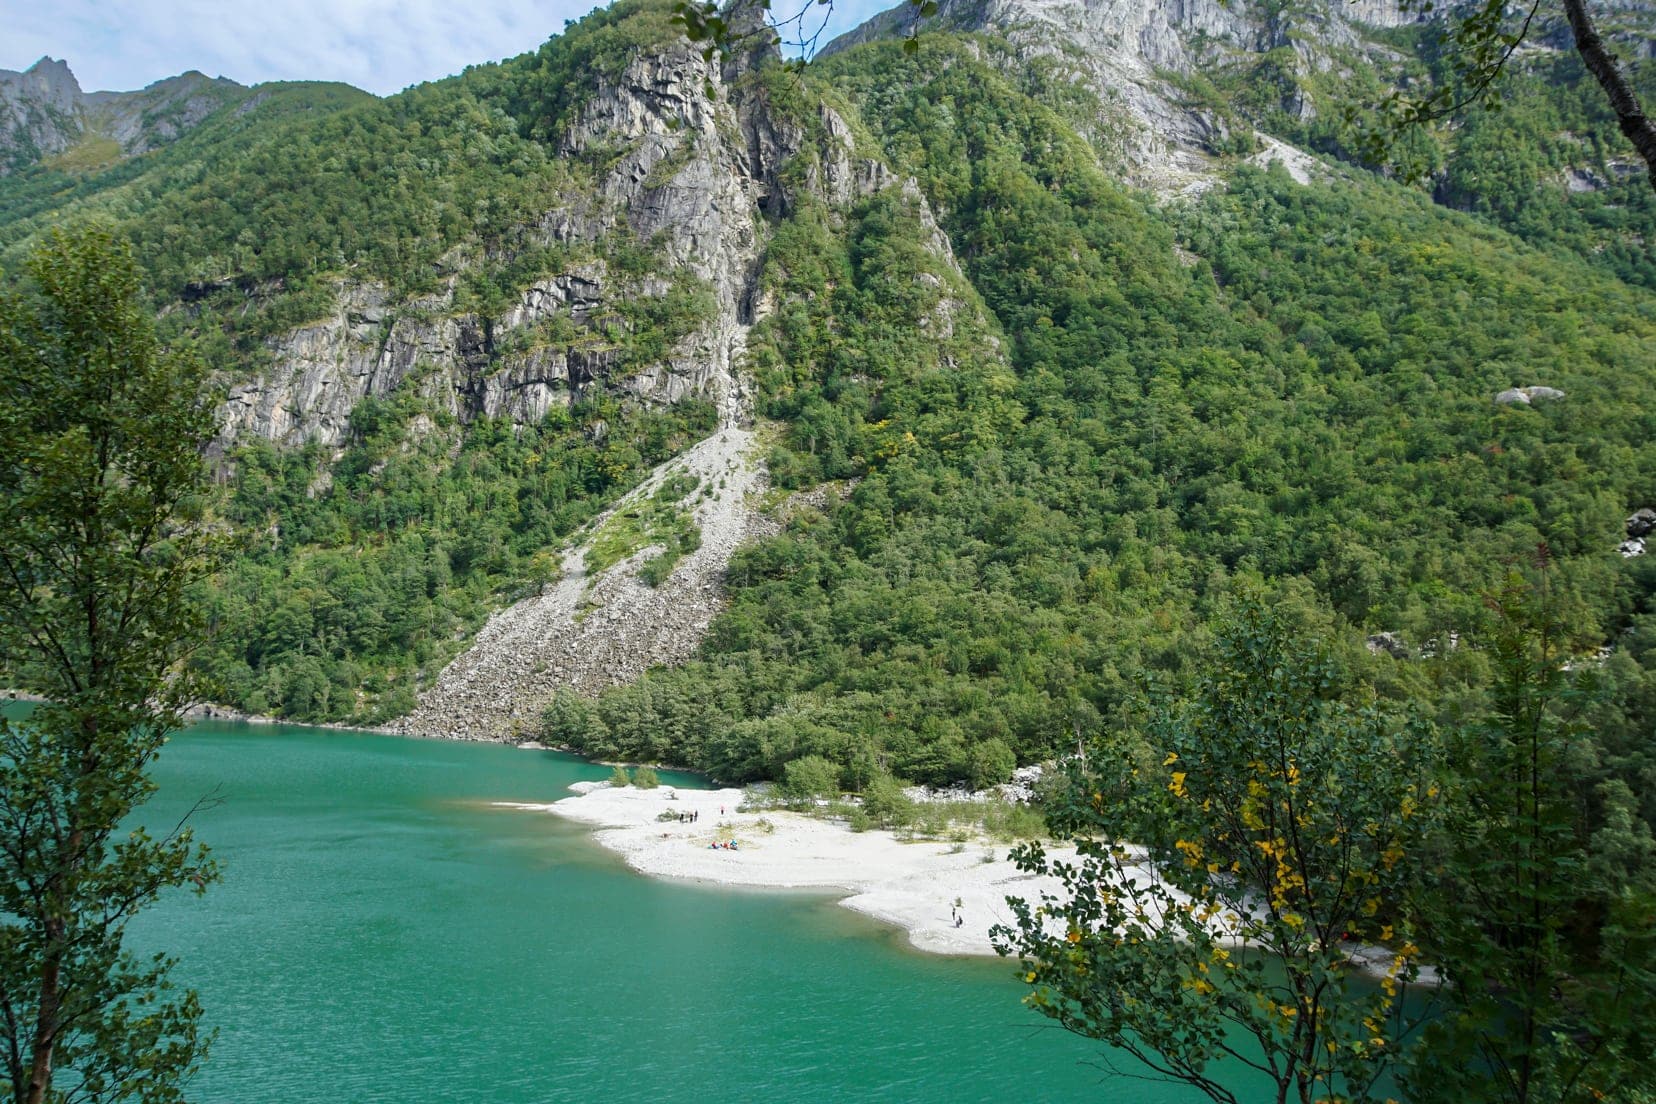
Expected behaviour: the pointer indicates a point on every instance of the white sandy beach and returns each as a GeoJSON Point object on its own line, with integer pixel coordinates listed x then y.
{"type": "Point", "coordinates": [910, 885]}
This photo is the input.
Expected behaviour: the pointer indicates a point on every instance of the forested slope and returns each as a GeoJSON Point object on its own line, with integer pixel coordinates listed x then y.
{"type": "Point", "coordinates": [1048, 423]}
{"type": "Point", "coordinates": [1277, 382]}
{"type": "Point", "coordinates": [369, 560]}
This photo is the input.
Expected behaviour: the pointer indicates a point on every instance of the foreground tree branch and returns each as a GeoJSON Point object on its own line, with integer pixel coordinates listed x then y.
{"type": "Point", "coordinates": [1624, 102]}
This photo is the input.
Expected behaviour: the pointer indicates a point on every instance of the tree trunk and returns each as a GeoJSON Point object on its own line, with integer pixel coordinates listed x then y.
{"type": "Point", "coordinates": [51, 988]}
{"type": "Point", "coordinates": [1629, 113]}
{"type": "Point", "coordinates": [45, 1040]}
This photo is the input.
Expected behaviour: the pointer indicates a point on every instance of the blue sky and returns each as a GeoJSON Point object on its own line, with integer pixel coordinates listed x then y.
{"type": "Point", "coordinates": [379, 45]}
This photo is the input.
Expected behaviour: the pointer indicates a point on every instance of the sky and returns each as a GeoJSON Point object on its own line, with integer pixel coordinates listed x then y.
{"type": "Point", "coordinates": [379, 45]}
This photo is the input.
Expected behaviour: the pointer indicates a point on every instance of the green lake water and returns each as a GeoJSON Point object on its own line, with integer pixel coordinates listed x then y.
{"type": "Point", "coordinates": [383, 934]}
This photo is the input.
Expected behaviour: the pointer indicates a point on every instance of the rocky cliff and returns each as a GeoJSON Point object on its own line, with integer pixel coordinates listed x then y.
{"type": "Point", "coordinates": [697, 177]}
{"type": "Point", "coordinates": [741, 164]}
{"type": "Point", "coordinates": [1131, 53]}
{"type": "Point", "coordinates": [45, 115]}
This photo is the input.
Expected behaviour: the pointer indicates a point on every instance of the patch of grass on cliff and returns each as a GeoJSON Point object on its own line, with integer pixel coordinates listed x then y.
{"type": "Point", "coordinates": [91, 153]}
{"type": "Point", "coordinates": [655, 520]}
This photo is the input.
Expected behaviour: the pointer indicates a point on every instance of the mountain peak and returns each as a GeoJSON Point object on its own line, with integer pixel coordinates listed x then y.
{"type": "Point", "coordinates": [49, 79]}
{"type": "Point", "coordinates": [44, 112]}
{"type": "Point", "coordinates": [50, 64]}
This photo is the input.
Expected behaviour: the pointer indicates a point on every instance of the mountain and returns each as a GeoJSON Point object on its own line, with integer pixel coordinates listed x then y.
{"type": "Point", "coordinates": [1135, 62]}
{"type": "Point", "coordinates": [44, 115]}
{"type": "Point", "coordinates": [912, 410]}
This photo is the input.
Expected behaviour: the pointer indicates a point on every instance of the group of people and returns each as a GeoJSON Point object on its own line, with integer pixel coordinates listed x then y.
{"type": "Point", "coordinates": [690, 817]}
{"type": "Point", "coordinates": [718, 845]}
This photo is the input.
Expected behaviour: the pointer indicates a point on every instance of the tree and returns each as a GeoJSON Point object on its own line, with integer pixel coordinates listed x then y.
{"type": "Point", "coordinates": [730, 25]}
{"type": "Point", "coordinates": [1277, 810]}
{"type": "Point", "coordinates": [1481, 44]}
{"type": "Point", "coordinates": [101, 474]}
{"type": "Point", "coordinates": [990, 763]}
{"type": "Point", "coordinates": [809, 777]}
{"type": "Point", "coordinates": [886, 803]}
{"type": "Point", "coordinates": [1550, 950]}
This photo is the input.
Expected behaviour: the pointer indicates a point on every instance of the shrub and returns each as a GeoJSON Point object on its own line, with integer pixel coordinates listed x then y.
{"type": "Point", "coordinates": [885, 802]}
{"type": "Point", "coordinates": [620, 777]}
{"type": "Point", "coordinates": [656, 569]}
{"type": "Point", "coordinates": [810, 777]}
{"type": "Point", "coordinates": [645, 778]}
{"type": "Point", "coordinates": [990, 763]}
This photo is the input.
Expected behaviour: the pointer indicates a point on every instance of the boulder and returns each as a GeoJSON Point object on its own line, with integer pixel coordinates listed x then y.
{"type": "Point", "coordinates": [1631, 548]}
{"type": "Point", "coordinates": [1523, 396]}
{"type": "Point", "coordinates": [1641, 522]}
{"type": "Point", "coordinates": [1389, 642]}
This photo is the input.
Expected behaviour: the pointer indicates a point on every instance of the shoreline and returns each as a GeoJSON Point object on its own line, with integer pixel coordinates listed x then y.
{"type": "Point", "coordinates": [913, 886]}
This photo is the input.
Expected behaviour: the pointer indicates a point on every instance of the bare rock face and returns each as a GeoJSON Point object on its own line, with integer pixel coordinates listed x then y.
{"type": "Point", "coordinates": [1121, 50]}
{"type": "Point", "coordinates": [39, 112]}
{"type": "Point", "coordinates": [43, 112]}
{"type": "Point", "coordinates": [369, 346]}
{"type": "Point", "coordinates": [694, 170]}
{"type": "Point", "coordinates": [699, 176]}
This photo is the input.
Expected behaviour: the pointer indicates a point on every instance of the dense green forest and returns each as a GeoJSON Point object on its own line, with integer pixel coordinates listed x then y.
{"type": "Point", "coordinates": [1034, 436]}
{"type": "Point", "coordinates": [364, 568]}
{"type": "Point", "coordinates": [1279, 382]}
{"type": "Point", "coordinates": [1055, 462]}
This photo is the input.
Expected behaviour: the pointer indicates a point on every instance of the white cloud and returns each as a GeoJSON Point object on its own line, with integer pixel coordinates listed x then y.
{"type": "Point", "coordinates": [379, 45]}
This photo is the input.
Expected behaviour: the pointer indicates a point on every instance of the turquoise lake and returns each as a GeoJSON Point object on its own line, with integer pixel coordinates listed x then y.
{"type": "Point", "coordinates": [383, 934]}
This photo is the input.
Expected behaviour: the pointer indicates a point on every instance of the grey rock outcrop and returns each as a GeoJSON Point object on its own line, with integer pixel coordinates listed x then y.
{"type": "Point", "coordinates": [1390, 643]}
{"type": "Point", "coordinates": [43, 112]}
{"type": "Point", "coordinates": [1123, 49]}
{"type": "Point", "coordinates": [699, 178]}
{"type": "Point", "coordinates": [1641, 523]}
{"type": "Point", "coordinates": [1524, 396]}
{"type": "Point", "coordinates": [368, 346]}
{"type": "Point", "coordinates": [594, 630]}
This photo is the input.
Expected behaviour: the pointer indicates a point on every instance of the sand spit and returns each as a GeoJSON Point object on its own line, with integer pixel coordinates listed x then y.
{"type": "Point", "coordinates": [912, 885]}
{"type": "Point", "coordinates": [922, 887]}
